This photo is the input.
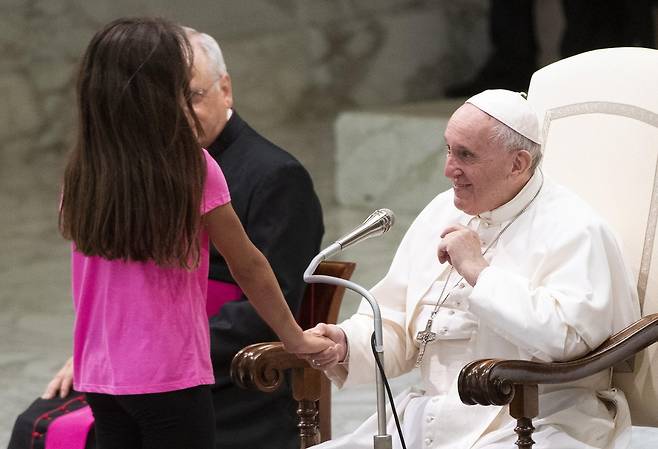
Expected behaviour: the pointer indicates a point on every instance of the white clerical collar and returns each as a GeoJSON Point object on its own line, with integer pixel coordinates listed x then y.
{"type": "Point", "coordinates": [522, 199]}
{"type": "Point", "coordinates": [229, 113]}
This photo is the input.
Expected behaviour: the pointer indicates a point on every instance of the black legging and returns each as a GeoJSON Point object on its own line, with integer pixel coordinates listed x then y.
{"type": "Point", "coordinates": [182, 419]}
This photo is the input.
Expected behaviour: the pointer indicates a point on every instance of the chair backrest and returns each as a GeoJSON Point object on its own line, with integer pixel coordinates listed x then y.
{"type": "Point", "coordinates": [322, 301]}
{"type": "Point", "coordinates": [321, 305]}
{"type": "Point", "coordinates": [600, 130]}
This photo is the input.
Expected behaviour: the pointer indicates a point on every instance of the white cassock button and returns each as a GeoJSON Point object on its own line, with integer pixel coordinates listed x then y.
{"type": "Point", "coordinates": [443, 330]}
{"type": "Point", "coordinates": [428, 441]}
{"type": "Point", "coordinates": [462, 285]}
{"type": "Point", "coordinates": [451, 312]}
{"type": "Point", "coordinates": [485, 224]}
{"type": "Point", "coordinates": [429, 419]}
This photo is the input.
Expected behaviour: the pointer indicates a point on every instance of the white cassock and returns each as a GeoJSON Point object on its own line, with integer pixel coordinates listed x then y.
{"type": "Point", "coordinates": [556, 288]}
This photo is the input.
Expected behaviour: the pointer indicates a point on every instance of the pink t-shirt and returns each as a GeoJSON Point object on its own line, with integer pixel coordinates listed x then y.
{"type": "Point", "coordinates": [140, 328]}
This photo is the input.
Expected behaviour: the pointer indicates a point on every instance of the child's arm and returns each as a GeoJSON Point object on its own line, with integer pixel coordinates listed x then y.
{"type": "Point", "coordinates": [253, 274]}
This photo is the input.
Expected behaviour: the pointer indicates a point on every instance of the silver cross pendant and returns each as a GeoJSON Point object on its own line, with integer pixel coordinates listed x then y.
{"type": "Point", "coordinates": [424, 337]}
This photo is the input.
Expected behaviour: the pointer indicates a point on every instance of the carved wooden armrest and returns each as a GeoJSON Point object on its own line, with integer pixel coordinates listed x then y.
{"type": "Point", "coordinates": [262, 366]}
{"type": "Point", "coordinates": [514, 382]}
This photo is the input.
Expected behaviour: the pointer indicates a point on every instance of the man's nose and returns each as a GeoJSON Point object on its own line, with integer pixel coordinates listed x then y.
{"type": "Point", "coordinates": [451, 169]}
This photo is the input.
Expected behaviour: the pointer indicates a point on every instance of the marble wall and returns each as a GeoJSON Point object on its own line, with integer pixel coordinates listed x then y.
{"type": "Point", "coordinates": [290, 59]}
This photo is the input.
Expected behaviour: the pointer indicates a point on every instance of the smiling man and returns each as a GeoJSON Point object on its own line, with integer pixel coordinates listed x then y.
{"type": "Point", "coordinates": [505, 264]}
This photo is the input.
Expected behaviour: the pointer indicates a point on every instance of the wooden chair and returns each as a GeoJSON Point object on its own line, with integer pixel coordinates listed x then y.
{"type": "Point", "coordinates": [600, 130]}
{"type": "Point", "coordinates": [263, 366]}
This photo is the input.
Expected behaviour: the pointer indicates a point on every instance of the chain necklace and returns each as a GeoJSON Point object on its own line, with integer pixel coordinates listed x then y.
{"type": "Point", "coordinates": [426, 336]}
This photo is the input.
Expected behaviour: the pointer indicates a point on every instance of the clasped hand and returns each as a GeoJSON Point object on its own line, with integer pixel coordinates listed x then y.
{"type": "Point", "coordinates": [333, 354]}
{"type": "Point", "coordinates": [460, 247]}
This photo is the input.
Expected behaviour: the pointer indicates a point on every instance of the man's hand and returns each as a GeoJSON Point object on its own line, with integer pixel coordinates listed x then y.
{"type": "Point", "coordinates": [460, 247]}
{"type": "Point", "coordinates": [331, 356]}
{"type": "Point", "coordinates": [61, 383]}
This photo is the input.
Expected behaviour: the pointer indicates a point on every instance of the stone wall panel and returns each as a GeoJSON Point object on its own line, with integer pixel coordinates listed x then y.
{"type": "Point", "coordinates": [289, 59]}
{"type": "Point", "coordinates": [269, 73]}
{"type": "Point", "coordinates": [19, 113]}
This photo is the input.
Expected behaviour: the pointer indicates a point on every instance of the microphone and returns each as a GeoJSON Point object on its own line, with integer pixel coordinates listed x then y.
{"type": "Point", "coordinates": [375, 225]}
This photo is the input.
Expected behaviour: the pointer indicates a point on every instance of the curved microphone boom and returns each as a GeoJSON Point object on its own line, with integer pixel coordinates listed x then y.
{"type": "Point", "coordinates": [375, 225]}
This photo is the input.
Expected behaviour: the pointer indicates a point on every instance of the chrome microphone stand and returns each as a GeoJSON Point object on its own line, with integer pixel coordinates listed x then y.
{"type": "Point", "coordinates": [382, 440]}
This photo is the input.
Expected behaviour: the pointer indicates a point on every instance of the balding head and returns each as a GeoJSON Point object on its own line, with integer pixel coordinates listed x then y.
{"type": "Point", "coordinates": [210, 47]}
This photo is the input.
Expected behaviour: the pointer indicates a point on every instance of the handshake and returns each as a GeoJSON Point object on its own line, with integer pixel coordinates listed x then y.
{"type": "Point", "coordinates": [334, 353]}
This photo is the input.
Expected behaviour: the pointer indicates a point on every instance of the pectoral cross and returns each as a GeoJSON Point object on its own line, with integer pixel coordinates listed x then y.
{"type": "Point", "coordinates": [424, 337]}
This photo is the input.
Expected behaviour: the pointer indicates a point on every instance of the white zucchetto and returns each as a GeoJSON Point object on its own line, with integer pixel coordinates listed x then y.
{"type": "Point", "coordinates": [510, 108]}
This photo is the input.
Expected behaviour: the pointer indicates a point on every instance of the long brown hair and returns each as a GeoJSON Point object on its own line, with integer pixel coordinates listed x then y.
{"type": "Point", "coordinates": [134, 180]}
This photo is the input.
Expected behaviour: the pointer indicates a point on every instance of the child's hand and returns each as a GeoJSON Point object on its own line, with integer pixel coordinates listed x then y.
{"type": "Point", "coordinates": [309, 343]}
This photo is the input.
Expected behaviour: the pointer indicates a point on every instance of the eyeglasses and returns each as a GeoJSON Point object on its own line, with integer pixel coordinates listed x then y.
{"type": "Point", "coordinates": [198, 95]}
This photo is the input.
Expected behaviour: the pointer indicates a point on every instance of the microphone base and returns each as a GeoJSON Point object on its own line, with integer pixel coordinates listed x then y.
{"type": "Point", "coordinates": [382, 442]}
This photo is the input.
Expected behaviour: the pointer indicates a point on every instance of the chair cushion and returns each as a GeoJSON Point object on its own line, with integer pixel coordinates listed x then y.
{"type": "Point", "coordinates": [644, 437]}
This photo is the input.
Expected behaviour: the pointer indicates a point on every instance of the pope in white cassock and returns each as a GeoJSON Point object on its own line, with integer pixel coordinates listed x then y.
{"type": "Point", "coordinates": [532, 273]}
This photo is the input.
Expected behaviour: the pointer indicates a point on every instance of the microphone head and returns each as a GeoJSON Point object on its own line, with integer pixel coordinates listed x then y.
{"type": "Point", "coordinates": [375, 225]}
{"type": "Point", "coordinates": [386, 216]}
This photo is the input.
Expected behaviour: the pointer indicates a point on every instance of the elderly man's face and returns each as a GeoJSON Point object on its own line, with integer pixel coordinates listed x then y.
{"type": "Point", "coordinates": [482, 173]}
{"type": "Point", "coordinates": [212, 96]}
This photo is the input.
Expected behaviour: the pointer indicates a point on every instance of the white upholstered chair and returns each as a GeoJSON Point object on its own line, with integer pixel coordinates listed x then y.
{"type": "Point", "coordinates": [600, 128]}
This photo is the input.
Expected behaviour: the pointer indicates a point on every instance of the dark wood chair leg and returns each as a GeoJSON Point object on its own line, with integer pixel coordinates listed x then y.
{"type": "Point", "coordinates": [306, 389]}
{"type": "Point", "coordinates": [307, 412]}
{"type": "Point", "coordinates": [524, 407]}
{"type": "Point", "coordinates": [524, 429]}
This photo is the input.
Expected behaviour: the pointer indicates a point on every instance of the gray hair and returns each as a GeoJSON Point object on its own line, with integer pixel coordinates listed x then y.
{"type": "Point", "coordinates": [210, 48]}
{"type": "Point", "coordinates": [511, 140]}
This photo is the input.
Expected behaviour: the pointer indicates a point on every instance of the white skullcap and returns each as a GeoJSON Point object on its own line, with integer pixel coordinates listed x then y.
{"type": "Point", "coordinates": [510, 108]}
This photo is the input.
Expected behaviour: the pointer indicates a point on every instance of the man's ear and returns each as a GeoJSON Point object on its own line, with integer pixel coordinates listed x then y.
{"type": "Point", "coordinates": [521, 162]}
{"type": "Point", "coordinates": [227, 89]}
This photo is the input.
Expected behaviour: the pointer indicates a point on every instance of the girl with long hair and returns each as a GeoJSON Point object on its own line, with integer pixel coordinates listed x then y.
{"type": "Point", "coordinates": [141, 199]}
